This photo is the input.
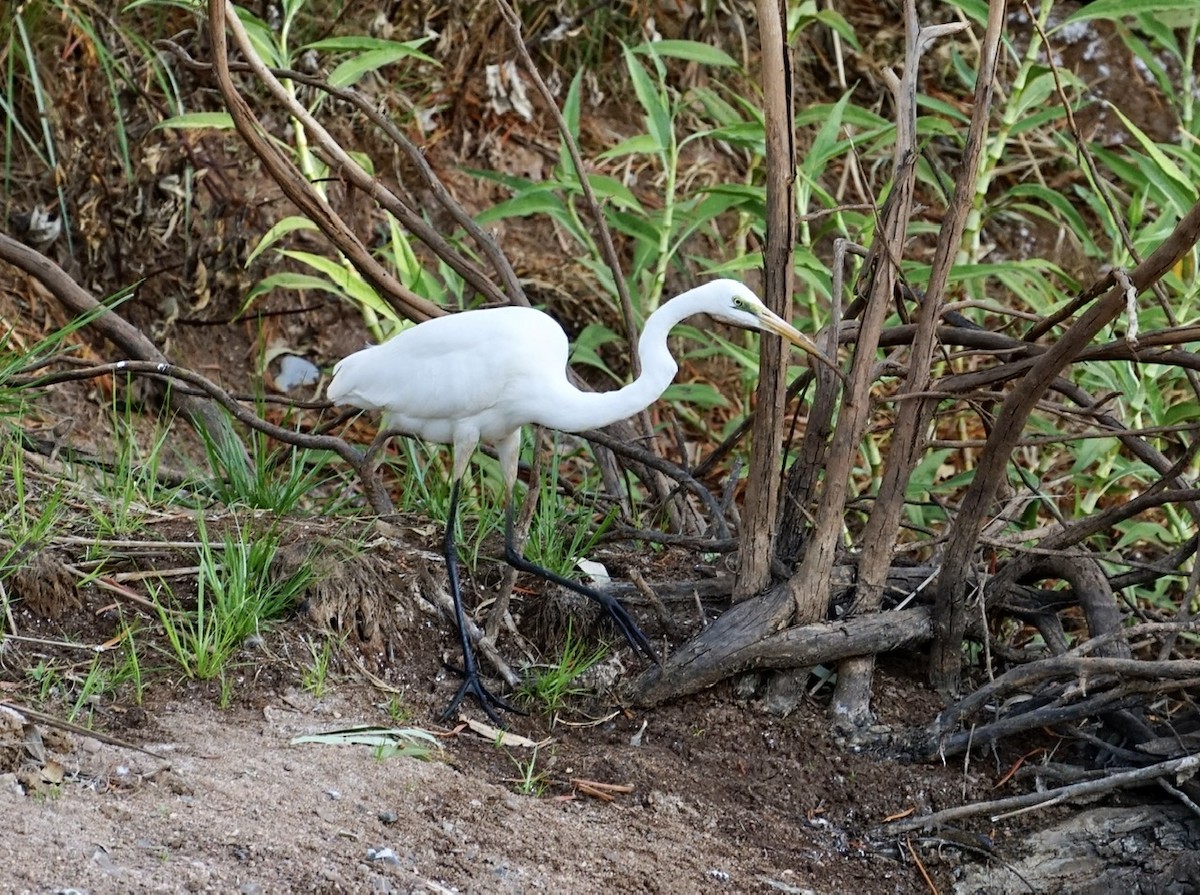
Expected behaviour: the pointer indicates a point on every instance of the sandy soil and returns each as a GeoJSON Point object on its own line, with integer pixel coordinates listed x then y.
{"type": "Point", "coordinates": [722, 798]}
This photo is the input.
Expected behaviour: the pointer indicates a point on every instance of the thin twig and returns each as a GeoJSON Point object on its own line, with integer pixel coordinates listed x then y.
{"type": "Point", "coordinates": [998, 807]}
{"type": "Point", "coordinates": [606, 244]}
{"type": "Point", "coordinates": [487, 244]}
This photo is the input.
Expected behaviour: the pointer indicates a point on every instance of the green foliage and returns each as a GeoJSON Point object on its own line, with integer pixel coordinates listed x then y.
{"type": "Point", "coordinates": [657, 230]}
{"type": "Point", "coordinates": [236, 597]}
{"type": "Point", "coordinates": [315, 678]}
{"type": "Point", "coordinates": [110, 678]}
{"type": "Point", "coordinates": [530, 781]}
{"type": "Point", "coordinates": [552, 686]}
{"type": "Point", "coordinates": [561, 533]}
{"type": "Point", "coordinates": [357, 56]}
{"type": "Point", "coordinates": [282, 479]}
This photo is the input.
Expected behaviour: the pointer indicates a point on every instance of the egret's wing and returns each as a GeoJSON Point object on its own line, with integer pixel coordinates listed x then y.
{"type": "Point", "coordinates": [469, 366]}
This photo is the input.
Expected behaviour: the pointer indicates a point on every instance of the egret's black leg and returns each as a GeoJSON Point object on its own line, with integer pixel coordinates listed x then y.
{"type": "Point", "coordinates": [610, 604]}
{"type": "Point", "coordinates": [470, 670]}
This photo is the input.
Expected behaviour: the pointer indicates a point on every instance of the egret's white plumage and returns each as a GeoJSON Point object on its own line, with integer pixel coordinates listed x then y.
{"type": "Point", "coordinates": [479, 376]}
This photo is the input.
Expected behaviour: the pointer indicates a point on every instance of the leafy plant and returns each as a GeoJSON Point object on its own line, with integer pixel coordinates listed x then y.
{"type": "Point", "coordinates": [656, 231]}
{"type": "Point", "coordinates": [108, 677]}
{"type": "Point", "coordinates": [236, 596]}
{"type": "Point", "coordinates": [561, 534]}
{"type": "Point", "coordinates": [277, 478]}
{"type": "Point", "coordinates": [315, 678]}
{"type": "Point", "coordinates": [531, 781]}
{"type": "Point", "coordinates": [553, 685]}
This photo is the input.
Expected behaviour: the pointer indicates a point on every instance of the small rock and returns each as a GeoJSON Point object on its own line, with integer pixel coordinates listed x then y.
{"type": "Point", "coordinates": [295, 371]}
{"type": "Point", "coordinates": [785, 691]}
{"type": "Point", "coordinates": [386, 855]}
{"type": "Point", "coordinates": [388, 816]}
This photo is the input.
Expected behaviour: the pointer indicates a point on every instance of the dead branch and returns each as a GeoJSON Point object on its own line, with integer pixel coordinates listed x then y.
{"type": "Point", "coordinates": [797, 647]}
{"type": "Point", "coordinates": [851, 699]}
{"type": "Point", "coordinates": [881, 273]}
{"type": "Point", "coordinates": [1091, 686]}
{"type": "Point", "coordinates": [201, 413]}
{"type": "Point", "coordinates": [762, 491]}
{"type": "Point", "coordinates": [1179, 767]}
{"type": "Point", "coordinates": [1014, 411]}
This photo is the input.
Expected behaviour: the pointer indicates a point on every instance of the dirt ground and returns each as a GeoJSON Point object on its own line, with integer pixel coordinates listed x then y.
{"type": "Point", "coordinates": [723, 797]}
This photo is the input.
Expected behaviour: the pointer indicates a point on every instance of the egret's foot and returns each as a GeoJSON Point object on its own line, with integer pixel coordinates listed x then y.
{"type": "Point", "coordinates": [488, 701]}
{"type": "Point", "coordinates": [627, 626]}
{"type": "Point", "coordinates": [629, 629]}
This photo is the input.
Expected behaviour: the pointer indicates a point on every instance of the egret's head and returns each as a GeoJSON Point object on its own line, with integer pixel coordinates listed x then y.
{"type": "Point", "coordinates": [735, 304]}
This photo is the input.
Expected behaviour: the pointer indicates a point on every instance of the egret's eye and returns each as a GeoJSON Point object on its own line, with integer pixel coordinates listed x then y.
{"type": "Point", "coordinates": [738, 302]}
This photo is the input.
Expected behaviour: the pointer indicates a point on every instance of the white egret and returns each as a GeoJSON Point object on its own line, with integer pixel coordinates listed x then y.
{"type": "Point", "coordinates": [479, 376]}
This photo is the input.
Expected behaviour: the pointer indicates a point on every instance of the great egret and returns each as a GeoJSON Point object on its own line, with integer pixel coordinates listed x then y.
{"type": "Point", "coordinates": [482, 375]}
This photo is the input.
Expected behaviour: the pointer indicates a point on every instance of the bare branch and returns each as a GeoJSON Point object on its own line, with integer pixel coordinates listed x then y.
{"type": "Point", "coordinates": [203, 416]}
{"type": "Point", "coordinates": [292, 182]}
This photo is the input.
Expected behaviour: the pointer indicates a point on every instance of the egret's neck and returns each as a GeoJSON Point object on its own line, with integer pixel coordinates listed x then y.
{"type": "Point", "coordinates": [593, 410]}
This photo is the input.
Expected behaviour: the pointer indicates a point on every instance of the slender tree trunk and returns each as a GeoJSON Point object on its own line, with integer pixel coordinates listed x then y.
{"type": "Point", "coordinates": [762, 494]}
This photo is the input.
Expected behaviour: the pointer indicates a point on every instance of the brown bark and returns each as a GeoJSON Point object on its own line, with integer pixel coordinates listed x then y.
{"type": "Point", "coordinates": [760, 514]}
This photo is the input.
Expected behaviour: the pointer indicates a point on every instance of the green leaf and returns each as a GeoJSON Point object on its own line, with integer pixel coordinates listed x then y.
{"type": "Point", "coordinates": [263, 40]}
{"type": "Point", "coordinates": [288, 225]}
{"type": "Point", "coordinates": [349, 283]}
{"type": "Point", "coordinates": [301, 282]}
{"type": "Point", "coordinates": [1120, 9]}
{"type": "Point", "coordinates": [638, 145]}
{"type": "Point", "coordinates": [198, 121]}
{"type": "Point", "coordinates": [534, 202]}
{"type": "Point", "coordinates": [716, 108]}
{"type": "Point", "coordinates": [585, 347]}
{"type": "Point", "coordinates": [366, 44]}
{"type": "Point", "coordinates": [658, 116]}
{"type": "Point", "coordinates": [1160, 158]}
{"type": "Point", "coordinates": [826, 144]}
{"type": "Point", "coordinates": [801, 15]}
{"type": "Point", "coordinates": [607, 187]}
{"type": "Point", "coordinates": [923, 480]}
{"type": "Point", "coordinates": [570, 108]}
{"type": "Point", "coordinates": [1135, 532]}
{"type": "Point", "coordinates": [947, 110]}
{"type": "Point", "coordinates": [348, 73]}
{"type": "Point", "coordinates": [1143, 178]}
{"type": "Point", "coordinates": [636, 226]}
{"type": "Point", "coordinates": [749, 134]}
{"type": "Point", "coordinates": [857, 116]}
{"type": "Point", "coordinates": [1054, 207]}
{"type": "Point", "coordinates": [697, 394]}
{"type": "Point", "coordinates": [691, 50]}
{"type": "Point", "coordinates": [1181, 413]}
{"type": "Point", "coordinates": [696, 214]}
